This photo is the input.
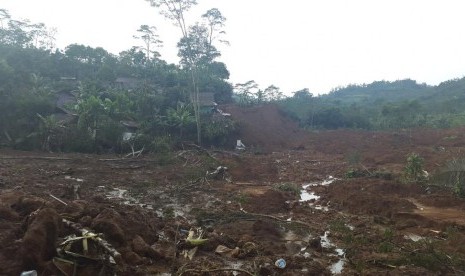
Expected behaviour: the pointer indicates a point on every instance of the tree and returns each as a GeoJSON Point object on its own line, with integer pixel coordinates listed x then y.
{"type": "Point", "coordinates": [246, 91]}
{"type": "Point", "coordinates": [49, 132]}
{"type": "Point", "coordinates": [174, 10]}
{"type": "Point", "coordinates": [215, 22]}
{"type": "Point", "coordinates": [451, 175]}
{"type": "Point", "coordinates": [180, 117]}
{"type": "Point", "coordinates": [303, 94]}
{"type": "Point", "coordinates": [39, 35]}
{"type": "Point", "coordinates": [90, 111]}
{"type": "Point", "coordinates": [195, 48]}
{"type": "Point", "coordinates": [273, 93]}
{"type": "Point", "coordinates": [192, 45]}
{"type": "Point", "coordinates": [4, 16]}
{"type": "Point", "coordinates": [330, 118]}
{"type": "Point", "coordinates": [150, 39]}
{"type": "Point", "coordinates": [414, 168]}
{"type": "Point", "coordinates": [17, 34]}
{"type": "Point", "coordinates": [133, 57]}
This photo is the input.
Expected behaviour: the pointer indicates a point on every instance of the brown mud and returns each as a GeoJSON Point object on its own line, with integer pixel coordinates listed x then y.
{"type": "Point", "coordinates": [144, 207]}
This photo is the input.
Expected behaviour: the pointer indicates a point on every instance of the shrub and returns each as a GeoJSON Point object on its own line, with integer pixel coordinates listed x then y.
{"type": "Point", "coordinates": [452, 176]}
{"type": "Point", "coordinates": [413, 171]}
{"type": "Point", "coordinates": [218, 132]}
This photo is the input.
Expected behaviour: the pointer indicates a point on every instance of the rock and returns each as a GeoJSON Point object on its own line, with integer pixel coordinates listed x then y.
{"type": "Point", "coordinates": [85, 221]}
{"type": "Point", "coordinates": [107, 222]}
{"type": "Point", "coordinates": [7, 213]}
{"type": "Point", "coordinates": [315, 244]}
{"type": "Point", "coordinates": [249, 249]}
{"type": "Point", "coordinates": [27, 205]}
{"type": "Point", "coordinates": [143, 249]}
{"type": "Point", "coordinates": [226, 251]}
{"type": "Point", "coordinates": [164, 250]}
{"type": "Point", "coordinates": [39, 241]}
{"type": "Point", "coordinates": [132, 258]}
{"type": "Point", "coordinates": [381, 220]}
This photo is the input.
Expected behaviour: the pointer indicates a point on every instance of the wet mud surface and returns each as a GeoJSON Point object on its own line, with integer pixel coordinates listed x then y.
{"type": "Point", "coordinates": [161, 215]}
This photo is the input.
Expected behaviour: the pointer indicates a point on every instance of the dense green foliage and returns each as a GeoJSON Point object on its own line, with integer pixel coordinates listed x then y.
{"type": "Point", "coordinates": [382, 105]}
{"type": "Point", "coordinates": [79, 98]}
{"type": "Point", "coordinates": [161, 101]}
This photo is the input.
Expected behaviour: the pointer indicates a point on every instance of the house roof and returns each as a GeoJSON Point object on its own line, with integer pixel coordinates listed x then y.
{"type": "Point", "coordinates": [64, 99]}
{"type": "Point", "coordinates": [130, 124]}
{"type": "Point", "coordinates": [128, 82]}
{"type": "Point", "coordinates": [65, 118]}
{"type": "Point", "coordinates": [206, 99]}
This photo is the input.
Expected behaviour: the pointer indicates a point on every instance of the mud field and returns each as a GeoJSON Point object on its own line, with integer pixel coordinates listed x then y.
{"type": "Point", "coordinates": [176, 214]}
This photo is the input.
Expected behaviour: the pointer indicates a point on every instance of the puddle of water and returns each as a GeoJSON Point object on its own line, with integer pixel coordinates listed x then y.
{"type": "Point", "coordinates": [72, 178]}
{"type": "Point", "coordinates": [124, 196]}
{"type": "Point", "coordinates": [306, 195]}
{"type": "Point", "coordinates": [338, 266]}
{"type": "Point", "coordinates": [235, 265]}
{"type": "Point", "coordinates": [175, 210]}
{"type": "Point", "coordinates": [413, 237]}
{"type": "Point", "coordinates": [325, 240]}
{"type": "Point", "coordinates": [319, 207]}
{"type": "Point", "coordinates": [117, 193]}
{"type": "Point", "coordinates": [328, 181]}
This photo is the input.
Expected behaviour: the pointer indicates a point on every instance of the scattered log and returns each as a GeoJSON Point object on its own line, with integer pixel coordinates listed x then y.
{"type": "Point", "coordinates": [202, 150]}
{"type": "Point", "coordinates": [59, 200]}
{"type": "Point", "coordinates": [215, 270]}
{"type": "Point", "coordinates": [103, 243]}
{"type": "Point", "coordinates": [279, 219]}
{"type": "Point", "coordinates": [35, 157]}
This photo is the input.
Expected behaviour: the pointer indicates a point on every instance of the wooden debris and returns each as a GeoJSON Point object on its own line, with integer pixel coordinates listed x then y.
{"type": "Point", "coordinates": [86, 233]}
{"type": "Point", "coordinates": [59, 200]}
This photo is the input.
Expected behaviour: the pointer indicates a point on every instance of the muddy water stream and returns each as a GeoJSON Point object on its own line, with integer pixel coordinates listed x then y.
{"type": "Point", "coordinates": [307, 195]}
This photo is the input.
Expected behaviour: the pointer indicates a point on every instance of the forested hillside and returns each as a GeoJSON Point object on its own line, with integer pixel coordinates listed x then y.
{"type": "Point", "coordinates": [382, 105]}
{"type": "Point", "coordinates": [83, 99]}
{"type": "Point", "coordinates": [89, 100]}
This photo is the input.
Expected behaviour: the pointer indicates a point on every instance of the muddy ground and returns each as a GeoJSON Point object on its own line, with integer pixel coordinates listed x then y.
{"type": "Point", "coordinates": [292, 203]}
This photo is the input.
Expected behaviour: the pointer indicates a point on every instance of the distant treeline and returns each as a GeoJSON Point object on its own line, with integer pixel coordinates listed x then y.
{"type": "Point", "coordinates": [382, 105]}
{"type": "Point", "coordinates": [88, 100]}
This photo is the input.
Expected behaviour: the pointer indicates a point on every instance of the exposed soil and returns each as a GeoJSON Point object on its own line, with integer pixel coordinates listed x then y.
{"type": "Point", "coordinates": [144, 207]}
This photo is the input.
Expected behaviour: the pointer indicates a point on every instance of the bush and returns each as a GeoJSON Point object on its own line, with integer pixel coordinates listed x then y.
{"type": "Point", "coordinates": [413, 171]}
{"type": "Point", "coordinates": [161, 144]}
{"type": "Point", "coordinates": [452, 176]}
{"type": "Point", "coordinates": [218, 132]}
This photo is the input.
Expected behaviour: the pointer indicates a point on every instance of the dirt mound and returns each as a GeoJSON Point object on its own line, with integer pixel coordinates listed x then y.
{"type": "Point", "coordinates": [366, 222]}
{"type": "Point", "coordinates": [266, 128]}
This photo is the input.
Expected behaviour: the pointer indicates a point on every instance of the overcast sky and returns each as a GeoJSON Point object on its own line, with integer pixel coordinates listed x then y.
{"type": "Point", "coordinates": [293, 44]}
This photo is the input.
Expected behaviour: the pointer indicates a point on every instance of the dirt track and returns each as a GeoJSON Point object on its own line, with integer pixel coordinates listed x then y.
{"type": "Point", "coordinates": [145, 207]}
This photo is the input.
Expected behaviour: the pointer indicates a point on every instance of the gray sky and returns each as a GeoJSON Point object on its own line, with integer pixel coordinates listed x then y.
{"type": "Point", "coordinates": [293, 44]}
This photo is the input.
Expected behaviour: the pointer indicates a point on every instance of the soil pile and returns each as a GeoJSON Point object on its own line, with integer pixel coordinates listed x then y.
{"type": "Point", "coordinates": [266, 128]}
{"type": "Point", "coordinates": [75, 214]}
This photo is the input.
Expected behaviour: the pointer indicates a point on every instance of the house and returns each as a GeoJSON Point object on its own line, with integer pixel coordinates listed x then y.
{"type": "Point", "coordinates": [128, 83]}
{"type": "Point", "coordinates": [64, 102]}
{"type": "Point", "coordinates": [130, 131]}
{"type": "Point", "coordinates": [207, 103]}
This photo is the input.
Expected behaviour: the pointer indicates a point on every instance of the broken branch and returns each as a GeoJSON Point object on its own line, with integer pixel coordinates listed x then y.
{"type": "Point", "coordinates": [59, 200]}
{"type": "Point", "coordinates": [216, 270]}
{"type": "Point", "coordinates": [103, 243]}
{"type": "Point", "coordinates": [278, 219]}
